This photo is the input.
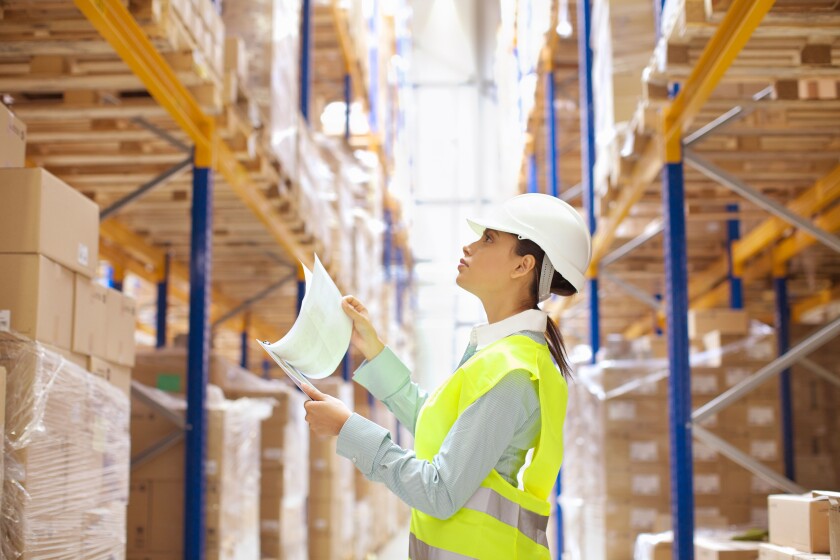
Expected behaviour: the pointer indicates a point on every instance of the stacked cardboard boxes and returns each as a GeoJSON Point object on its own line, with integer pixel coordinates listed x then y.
{"type": "Point", "coordinates": [66, 457]}
{"type": "Point", "coordinates": [331, 493]}
{"type": "Point", "coordinates": [49, 246]}
{"type": "Point", "coordinates": [659, 546]}
{"type": "Point", "coordinates": [155, 513]}
{"type": "Point", "coordinates": [616, 473]}
{"type": "Point", "coordinates": [815, 420]}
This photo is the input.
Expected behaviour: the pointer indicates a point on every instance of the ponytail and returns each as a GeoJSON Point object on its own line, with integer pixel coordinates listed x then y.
{"type": "Point", "coordinates": [559, 286]}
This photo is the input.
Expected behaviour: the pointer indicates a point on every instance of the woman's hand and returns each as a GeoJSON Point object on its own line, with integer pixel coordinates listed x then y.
{"type": "Point", "coordinates": [364, 337]}
{"type": "Point", "coordinates": [326, 414]}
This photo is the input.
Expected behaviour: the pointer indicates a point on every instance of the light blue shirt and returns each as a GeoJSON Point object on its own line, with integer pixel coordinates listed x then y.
{"type": "Point", "coordinates": [495, 432]}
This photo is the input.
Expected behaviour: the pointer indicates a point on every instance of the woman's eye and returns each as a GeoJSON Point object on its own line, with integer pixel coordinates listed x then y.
{"type": "Point", "coordinates": [487, 238]}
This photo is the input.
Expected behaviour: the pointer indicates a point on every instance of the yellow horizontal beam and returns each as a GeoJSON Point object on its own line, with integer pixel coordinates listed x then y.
{"type": "Point", "coordinates": [705, 289]}
{"type": "Point", "coordinates": [799, 241]}
{"type": "Point", "coordinates": [348, 51]}
{"type": "Point", "coordinates": [644, 172]}
{"type": "Point", "coordinates": [823, 193]}
{"type": "Point", "coordinates": [117, 26]}
{"type": "Point", "coordinates": [741, 20]}
{"type": "Point", "coordinates": [119, 238]}
{"type": "Point", "coordinates": [823, 297]}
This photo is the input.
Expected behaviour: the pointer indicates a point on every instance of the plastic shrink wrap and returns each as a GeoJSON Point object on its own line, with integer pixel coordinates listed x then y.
{"type": "Point", "coordinates": [66, 458]}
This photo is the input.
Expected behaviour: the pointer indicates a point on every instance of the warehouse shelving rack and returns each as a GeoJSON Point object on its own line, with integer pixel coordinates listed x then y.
{"type": "Point", "coordinates": [668, 157]}
{"type": "Point", "coordinates": [209, 153]}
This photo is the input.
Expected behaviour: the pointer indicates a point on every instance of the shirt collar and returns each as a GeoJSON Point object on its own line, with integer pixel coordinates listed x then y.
{"type": "Point", "coordinates": [529, 320]}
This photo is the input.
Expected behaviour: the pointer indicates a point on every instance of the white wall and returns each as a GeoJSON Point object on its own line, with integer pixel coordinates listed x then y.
{"type": "Point", "coordinates": [455, 151]}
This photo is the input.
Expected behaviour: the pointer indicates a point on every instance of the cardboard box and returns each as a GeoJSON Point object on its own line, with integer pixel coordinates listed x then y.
{"type": "Point", "coordinates": [833, 520]}
{"type": "Point", "coordinates": [36, 298]}
{"type": "Point", "coordinates": [773, 552]}
{"type": "Point", "coordinates": [41, 214]}
{"type": "Point", "coordinates": [12, 139]}
{"type": "Point", "coordinates": [726, 321]}
{"type": "Point", "coordinates": [800, 522]}
{"type": "Point", "coordinates": [117, 375]}
{"type": "Point", "coordinates": [90, 315]}
{"type": "Point", "coordinates": [121, 322]}
{"type": "Point", "coordinates": [711, 549]}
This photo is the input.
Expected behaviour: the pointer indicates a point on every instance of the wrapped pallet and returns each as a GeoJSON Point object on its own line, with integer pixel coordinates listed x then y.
{"type": "Point", "coordinates": [155, 515]}
{"type": "Point", "coordinates": [66, 458]}
{"type": "Point", "coordinates": [616, 475]}
{"type": "Point", "coordinates": [283, 466]}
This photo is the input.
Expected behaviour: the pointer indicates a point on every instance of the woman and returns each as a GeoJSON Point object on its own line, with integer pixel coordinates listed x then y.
{"type": "Point", "coordinates": [489, 441]}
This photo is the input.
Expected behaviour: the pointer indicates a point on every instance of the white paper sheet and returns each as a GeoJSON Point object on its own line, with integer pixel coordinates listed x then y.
{"type": "Point", "coordinates": [318, 340]}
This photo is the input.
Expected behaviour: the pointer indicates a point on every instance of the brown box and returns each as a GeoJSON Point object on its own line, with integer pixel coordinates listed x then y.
{"type": "Point", "coordinates": [833, 520]}
{"type": "Point", "coordinates": [41, 214]}
{"type": "Point", "coordinates": [121, 323]}
{"type": "Point", "coordinates": [799, 521]}
{"type": "Point", "coordinates": [36, 298]}
{"type": "Point", "coordinates": [709, 549]}
{"type": "Point", "coordinates": [12, 139]}
{"type": "Point", "coordinates": [726, 321]}
{"type": "Point", "coordinates": [90, 314]}
{"type": "Point", "coordinates": [773, 552]}
{"type": "Point", "coordinates": [117, 375]}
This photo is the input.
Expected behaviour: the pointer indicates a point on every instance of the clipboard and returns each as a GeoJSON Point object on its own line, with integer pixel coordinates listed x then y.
{"type": "Point", "coordinates": [291, 371]}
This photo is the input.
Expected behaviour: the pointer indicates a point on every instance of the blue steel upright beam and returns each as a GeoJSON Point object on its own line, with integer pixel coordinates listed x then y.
{"type": "Point", "coordinates": [305, 56]}
{"type": "Point", "coordinates": [162, 305]}
{"type": "Point", "coordinates": [783, 343]}
{"type": "Point", "coordinates": [197, 363]}
{"type": "Point", "coordinates": [348, 94]}
{"type": "Point", "coordinates": [679, 387]}
{"type": "Point", "coordinates": [552, 180]}
{"type": "Point", "coordinates": [587, 151]}
{"type": "Point", "coordinates": [736, 286]}
{"type": "Point", "coordinates": [243, 342]}
{"type": "Point", "coordinates": [533, 181]}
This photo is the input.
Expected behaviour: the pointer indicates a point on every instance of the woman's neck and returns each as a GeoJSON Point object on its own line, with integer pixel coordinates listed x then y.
{"type": "Point", "coordinates": [500, 310]}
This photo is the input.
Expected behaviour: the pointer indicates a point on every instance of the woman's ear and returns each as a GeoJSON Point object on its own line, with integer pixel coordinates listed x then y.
{"type": "Point", "coordinates": [525, 266]}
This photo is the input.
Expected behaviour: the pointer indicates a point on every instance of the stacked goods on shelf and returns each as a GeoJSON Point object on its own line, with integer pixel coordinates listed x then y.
{"type": "Point", "coordinates": [66, 457]}
{"type": "Point", "coordinates": [616, 474]}
{"type": "Point", "coordinates": [187, 28]}
{"type": "Point", "coordinates": [49, 247]}
{"type": "Point", "coordinates": [621, 34]}
{"type": "Point", "coordinates": [815, 419]}
{"type": "Point", "coordinates": [799, 528]}
{"type": "Point", "coordinates": [331, 494]}
{"type": "Point", "coordinates": [283, 466]}
{"type": "Point", "coordinates": [270, 32]}
{"type": "Point", "coordinates": [232, 506]}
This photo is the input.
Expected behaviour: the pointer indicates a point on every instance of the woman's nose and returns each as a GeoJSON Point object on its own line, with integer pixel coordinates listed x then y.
{"type": "Point", "coordinates": [466, 250]}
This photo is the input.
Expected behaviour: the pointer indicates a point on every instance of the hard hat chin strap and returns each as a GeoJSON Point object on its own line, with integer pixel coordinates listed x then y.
{"type": "Point", "coordinates": [546, 276]}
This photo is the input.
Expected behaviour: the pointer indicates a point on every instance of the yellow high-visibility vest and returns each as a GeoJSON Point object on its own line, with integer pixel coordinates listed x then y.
{"type": "Point", "coordinates": [500, 521]}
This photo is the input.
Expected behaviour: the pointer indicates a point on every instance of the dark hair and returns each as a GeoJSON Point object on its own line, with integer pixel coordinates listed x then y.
{"type": "Point", "coordinates": [559, 286]}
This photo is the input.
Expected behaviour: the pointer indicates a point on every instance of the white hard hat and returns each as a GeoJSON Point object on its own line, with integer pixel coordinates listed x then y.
{"type": "Point", "coordinates": [551, 223]}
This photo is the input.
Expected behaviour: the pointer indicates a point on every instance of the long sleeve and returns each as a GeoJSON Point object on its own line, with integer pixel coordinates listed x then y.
{"type": "Point", "coordinates": [389, 380]}
{"type": "Point", "coordinates": [505, 417]}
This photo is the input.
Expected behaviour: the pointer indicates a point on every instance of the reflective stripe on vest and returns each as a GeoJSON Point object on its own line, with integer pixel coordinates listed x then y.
{"type": "Point", "coordinates": [418, 550]}
{"type": "Point", "coordinates": [529, 523]}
